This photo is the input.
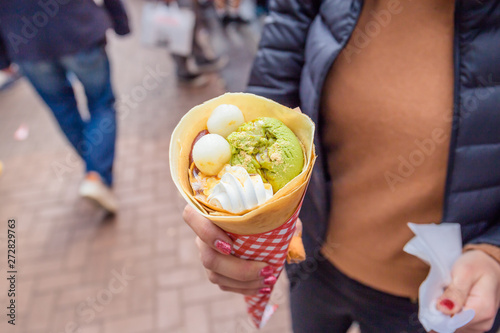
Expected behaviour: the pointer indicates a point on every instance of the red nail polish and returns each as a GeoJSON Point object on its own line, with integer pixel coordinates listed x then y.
{"type": "Point", "coordinates": [266, 290]}
{"type": "Point", "coordinates": [223, 246]}
{"type": "Point", "coordinates": [447, 304]}
{"type": "Point", "coordinates": [266, 271]}
{"type": "Point", "coordinates": [270, 280]}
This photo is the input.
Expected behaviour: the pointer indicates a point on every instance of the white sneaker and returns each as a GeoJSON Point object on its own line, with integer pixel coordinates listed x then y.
{"type": "Point", "coordinates": [93, 188]}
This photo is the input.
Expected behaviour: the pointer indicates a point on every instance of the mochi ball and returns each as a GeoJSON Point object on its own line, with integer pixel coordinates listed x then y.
{"type": "Point", "coordinates": [225, 119]}
{"type": "Point", "coordinates": [211, 153]}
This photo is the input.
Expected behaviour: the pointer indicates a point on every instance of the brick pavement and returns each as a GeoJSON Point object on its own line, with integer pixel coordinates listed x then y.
{"type": "Point", "coordinates": [139, 271]}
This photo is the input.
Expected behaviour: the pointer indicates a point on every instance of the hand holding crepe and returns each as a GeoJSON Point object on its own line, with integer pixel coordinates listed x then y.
{"type": "Point", "coordinates": [260, 237]}
{"type": "Point", "coordinates": [228, 272]}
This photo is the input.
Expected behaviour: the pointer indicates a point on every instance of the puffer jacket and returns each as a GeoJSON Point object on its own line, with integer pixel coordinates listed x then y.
{"type": "Point", "coordinates": [300, 42]}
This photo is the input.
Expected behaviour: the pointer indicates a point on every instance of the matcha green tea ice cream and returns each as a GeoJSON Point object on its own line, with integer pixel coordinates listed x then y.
{"type": "Point", "coordinates": [238, 166]}
{"type": "Point", "coordinates": [211, 176]}
{"type": "Point", "coordinates": [267, 147]}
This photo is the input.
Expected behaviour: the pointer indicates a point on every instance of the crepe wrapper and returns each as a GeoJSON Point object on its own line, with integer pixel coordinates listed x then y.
{"type": "Point", "coordinates": [265, 232]}
{"type": "Point", "coordinates": [270, 247]}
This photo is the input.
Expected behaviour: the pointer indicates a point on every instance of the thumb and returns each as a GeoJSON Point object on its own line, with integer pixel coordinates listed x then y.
{"type": "Point", "coordinates": [455, 295]}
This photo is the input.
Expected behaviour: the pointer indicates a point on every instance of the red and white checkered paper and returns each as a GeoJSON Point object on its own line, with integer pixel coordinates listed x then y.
{"type": "Point", "coordinates": [270, 247]}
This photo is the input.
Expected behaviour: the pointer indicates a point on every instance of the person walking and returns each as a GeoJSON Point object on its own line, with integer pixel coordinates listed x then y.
{"type": "Point", "coordinates": [52, 39]}
{"type": "Point", "coordinates": [405, 96]}
{"type": "Point", "coordinates": [229, 12]}
{"type": "Point", "coordinates": [191, 69]}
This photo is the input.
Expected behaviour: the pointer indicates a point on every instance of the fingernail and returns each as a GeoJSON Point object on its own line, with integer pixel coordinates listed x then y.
{"type": "Point", "coordinates": [447, 303]}
{"type": "Point", "coordinates": [270, 280]}
{"type": "Point", "coordinates": [224, 247]}
{"type": "Point", "coordinates": [266, 271]}
{"type": "Point", "coordinates": [266, 290]}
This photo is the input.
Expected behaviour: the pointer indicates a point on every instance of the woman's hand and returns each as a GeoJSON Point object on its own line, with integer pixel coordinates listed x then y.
{"type": "Point", "coordinates": [246, 277]}
{"type": "Point", "coordinates": [475, 285]}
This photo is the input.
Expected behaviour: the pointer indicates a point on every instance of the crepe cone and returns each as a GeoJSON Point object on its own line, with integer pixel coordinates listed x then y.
{"type": "Point", "coordinates": [263, 233]}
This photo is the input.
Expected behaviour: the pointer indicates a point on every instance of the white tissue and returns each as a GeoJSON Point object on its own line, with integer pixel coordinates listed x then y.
{"type": "Point", "coordinates": [439, 245]}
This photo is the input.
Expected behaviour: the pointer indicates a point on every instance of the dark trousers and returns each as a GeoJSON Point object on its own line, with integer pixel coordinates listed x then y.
{"type": "Point", "coordinates": [325, 300]}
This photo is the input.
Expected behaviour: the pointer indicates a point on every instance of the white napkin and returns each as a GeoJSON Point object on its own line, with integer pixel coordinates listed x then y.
{"type": "Point", "coordinates": [439, 245]}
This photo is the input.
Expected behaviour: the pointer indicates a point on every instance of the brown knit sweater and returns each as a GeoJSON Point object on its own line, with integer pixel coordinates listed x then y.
{"type": "Point", "coordinates": [387, 106]}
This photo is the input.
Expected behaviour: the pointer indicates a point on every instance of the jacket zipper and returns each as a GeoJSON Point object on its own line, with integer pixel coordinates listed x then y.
{"type": "Point", "coordinates": [456, 110]}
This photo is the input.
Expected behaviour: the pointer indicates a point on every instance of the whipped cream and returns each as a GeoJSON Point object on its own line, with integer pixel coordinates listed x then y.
{"type": "Point", "coordinates": [237, 191]}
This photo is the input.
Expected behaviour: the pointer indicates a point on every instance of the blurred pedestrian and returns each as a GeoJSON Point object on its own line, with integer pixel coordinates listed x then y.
{"type": "Point", "coordinates": [229, 11]}
{"type": "Point", "coordinates": [191, 69]}
{"type": "Point", "coordinates": [50, 40]}
{"type": "Point", "coordinates": [405, 96]}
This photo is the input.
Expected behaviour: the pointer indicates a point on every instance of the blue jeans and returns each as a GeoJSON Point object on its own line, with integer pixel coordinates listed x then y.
{"type": "Point", "coordinates": [323, 299]}
{"type": "Point", "coordinates": [93, 139]}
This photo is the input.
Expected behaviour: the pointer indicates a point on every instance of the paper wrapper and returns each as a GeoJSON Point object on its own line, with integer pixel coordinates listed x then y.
{"type": "Point", "coordinates": [270, 247]}
{"type": "Point", "coordinates": [263, 233]}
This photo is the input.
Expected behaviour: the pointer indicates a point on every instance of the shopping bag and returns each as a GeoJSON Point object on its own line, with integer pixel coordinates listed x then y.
{"type": "Point", "coordinates": [168, 26]}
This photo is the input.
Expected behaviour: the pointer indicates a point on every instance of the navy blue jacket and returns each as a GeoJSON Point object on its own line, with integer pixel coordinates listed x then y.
{"type": "Point", "coordinates": [301, 40]}
{"type": "Point", "coordinates": [32, 30]}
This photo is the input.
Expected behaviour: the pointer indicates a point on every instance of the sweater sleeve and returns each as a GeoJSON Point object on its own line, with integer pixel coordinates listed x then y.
{"type": "Point", "coordinates": [278, 64]}
{"type": "Point", "coordinates": [118, 14]}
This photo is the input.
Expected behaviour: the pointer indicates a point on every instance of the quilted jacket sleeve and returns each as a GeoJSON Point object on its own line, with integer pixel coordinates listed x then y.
{"type": "Point", "coordinates": [491, 235]}
{"type": "Point", "coordinates": [277, 67]}
{"type": "Point", "coordinates": [488, 242]}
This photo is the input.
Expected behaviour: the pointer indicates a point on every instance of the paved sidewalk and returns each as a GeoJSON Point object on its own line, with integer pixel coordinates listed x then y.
{"type": "Point", "coordinates": [136, 272]}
